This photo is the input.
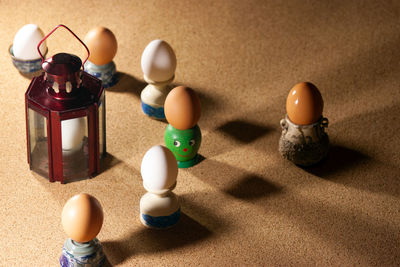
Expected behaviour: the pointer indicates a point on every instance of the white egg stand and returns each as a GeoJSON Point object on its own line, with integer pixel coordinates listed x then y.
{"type": "Point", "coordinates": [159, 207]}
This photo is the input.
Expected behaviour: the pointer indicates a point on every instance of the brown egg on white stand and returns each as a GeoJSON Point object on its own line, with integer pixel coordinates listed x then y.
{"type": "Point", "coordinates": [82, 219]}
{"type": "Point", "coordinates": [304, 140]}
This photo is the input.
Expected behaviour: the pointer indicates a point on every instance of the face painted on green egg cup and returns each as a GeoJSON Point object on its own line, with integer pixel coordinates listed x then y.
{"type": "Point", "coordinates": [184, 144]}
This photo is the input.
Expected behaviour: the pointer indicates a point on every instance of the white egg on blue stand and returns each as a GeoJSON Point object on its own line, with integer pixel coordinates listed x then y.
{"type": "Point", "coordinates": [159, 207]}
{"type": "Point", "coordinates": [23, 51]}
{"type": "Point", "coordinates": [158, 64]}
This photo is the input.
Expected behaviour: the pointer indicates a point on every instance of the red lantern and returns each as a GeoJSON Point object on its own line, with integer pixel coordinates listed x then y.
{"type": "Point", "coordinates": [65, 119]}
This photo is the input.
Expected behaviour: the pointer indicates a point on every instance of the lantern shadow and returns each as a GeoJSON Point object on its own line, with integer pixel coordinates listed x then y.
{"type": "Point", "coordinates": [108, 162]}
{"type": "Point", "coordinates": [128, 84]}
{"type": "Point", "coordinates": [150, 241]}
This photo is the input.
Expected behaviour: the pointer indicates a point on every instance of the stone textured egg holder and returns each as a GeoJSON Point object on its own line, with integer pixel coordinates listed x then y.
{"type": "Point", "coordinates": [88, 254]}
{"type": "Point", "coordinates": [304, 145]}
{"type": "Point", "coordinates": [106, 73]}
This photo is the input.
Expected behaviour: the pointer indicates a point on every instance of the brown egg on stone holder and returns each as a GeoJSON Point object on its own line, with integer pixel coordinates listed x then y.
{"type": "Point", "coordinates": [303, 140]}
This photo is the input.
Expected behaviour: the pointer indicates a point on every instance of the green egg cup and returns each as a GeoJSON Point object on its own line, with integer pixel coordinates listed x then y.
{"type": "Point", "coordinates": [184, 144]}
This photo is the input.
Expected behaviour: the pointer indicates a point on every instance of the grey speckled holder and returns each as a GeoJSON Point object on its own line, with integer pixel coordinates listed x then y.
{"type": "Point", "coordinates": [304, 145]}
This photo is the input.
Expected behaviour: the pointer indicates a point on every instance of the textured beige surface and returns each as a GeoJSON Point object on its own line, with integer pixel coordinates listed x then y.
{"type": "Point", "coordinates": [243, 205]}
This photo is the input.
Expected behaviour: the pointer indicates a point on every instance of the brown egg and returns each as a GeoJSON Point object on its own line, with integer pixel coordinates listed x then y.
{"type": "Point", "coordinates": [102, 45]}
{"type": "Point", "coordinates": [304, 104]}
{"type": "Point", "coordinates": [82, 217]}
{"type": "Point", "coordinates": [182, 108]}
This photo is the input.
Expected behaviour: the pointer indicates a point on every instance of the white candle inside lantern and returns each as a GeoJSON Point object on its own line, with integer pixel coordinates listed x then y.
{"type": "Point", "coordinates": [72, 132]}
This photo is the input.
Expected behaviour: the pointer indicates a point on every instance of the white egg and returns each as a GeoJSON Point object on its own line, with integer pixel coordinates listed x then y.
{"type": "Point", "coordinates": [159, 169]}
{"type": "Point", "coordinates": [72, 132]}
{"type": "Point", "coordinates": [158, 61]}
{"type": "Point", "coordinates": [26, 41]}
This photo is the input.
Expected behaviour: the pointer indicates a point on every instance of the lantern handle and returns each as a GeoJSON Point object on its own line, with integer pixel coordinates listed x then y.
{"type": "Point", "coordinates": [58, 26]}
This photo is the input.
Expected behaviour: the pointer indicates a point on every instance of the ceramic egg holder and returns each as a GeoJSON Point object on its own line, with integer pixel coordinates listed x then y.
{"type": "Point", "coordinates": [75, 254]}
{"type": "Point", "coordinates": [304, 145]}
{"type": "Point", "coordinates": [153, 97]}
{"type": "Point", "coordinates": [23, 51]}
{"type": "Point", "coordinates": [82, 218]}
{"type": "Point", "coordinates": [159, 207]}
{"type": "Point", "coordinates": [303, 140]}
{"type": "Point", "coordinates": [103, 47]}
{"type": "Point", "coordinates": [184, 144]}
{"type": "Point", "coordinates": [106, 73]}
{"type": "Point", "coordinates": [26, 66]}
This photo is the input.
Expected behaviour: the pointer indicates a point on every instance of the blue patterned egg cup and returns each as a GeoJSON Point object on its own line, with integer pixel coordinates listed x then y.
{"type": "Point", "coordinates": [153, 112]}
{"type": "Point", "coordinates": [161, 222]}
{"type": "Point", "coordinates": [106, 73]}
{"type": "Point", "coordinates": [26, 66]}
{"type": "Point", "coordinates": [88, 254]}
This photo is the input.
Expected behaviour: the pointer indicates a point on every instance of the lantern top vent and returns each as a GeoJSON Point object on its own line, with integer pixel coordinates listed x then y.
{"type": "Point", "coordinates": [62, 64]}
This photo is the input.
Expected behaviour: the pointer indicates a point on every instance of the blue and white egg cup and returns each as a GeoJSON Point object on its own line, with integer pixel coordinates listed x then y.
{"type": "Point", "coordinates": [26, 66]}
{"type": "Point", "coordinates": [88, 254]}
{"type": "Point", "coordinates": [106, 73]}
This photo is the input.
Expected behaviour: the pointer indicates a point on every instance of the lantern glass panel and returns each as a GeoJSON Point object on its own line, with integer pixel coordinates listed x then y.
{"type": "Point", "coordinates": [74, 140]}
{"type": "Point", "coordinates": [39, 153]}
{"type": "Point", "coordinates": [102, 126]}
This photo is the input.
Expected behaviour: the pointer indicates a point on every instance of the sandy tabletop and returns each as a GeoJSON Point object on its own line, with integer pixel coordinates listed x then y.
{"type": "Point", "coordinates": [243, 205]}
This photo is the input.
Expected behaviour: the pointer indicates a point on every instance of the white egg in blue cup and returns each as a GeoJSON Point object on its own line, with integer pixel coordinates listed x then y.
{"type": "Point", "coordinates": [23, 51]}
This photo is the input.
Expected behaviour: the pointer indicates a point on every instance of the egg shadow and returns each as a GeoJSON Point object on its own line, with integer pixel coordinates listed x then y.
{"type": "Point", "coordinates": [251, 187]}
{"type": "Point", "coordinates": [128, 84]}
{"type": "Point", "coordinates": [234, 181]}
{"type": "Point", "coordinates": [375, 169]}
{"type": "Point", "coordinates": [150, 241]}
{"type": "Point", "coordinates": [228, 135]}
{"type": "Point", "coordinates": [341, 224]}
{"type": "Point", "coordinates": [107, 263]}
{"type": "Point", "coordinates": [244, 131]}
{"type": "Point", "coordinates": [339, 159]}
{"type": "Point", "coordinates": [210, 107]}
{"type": "Point", "coordinates": [200, 158]}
